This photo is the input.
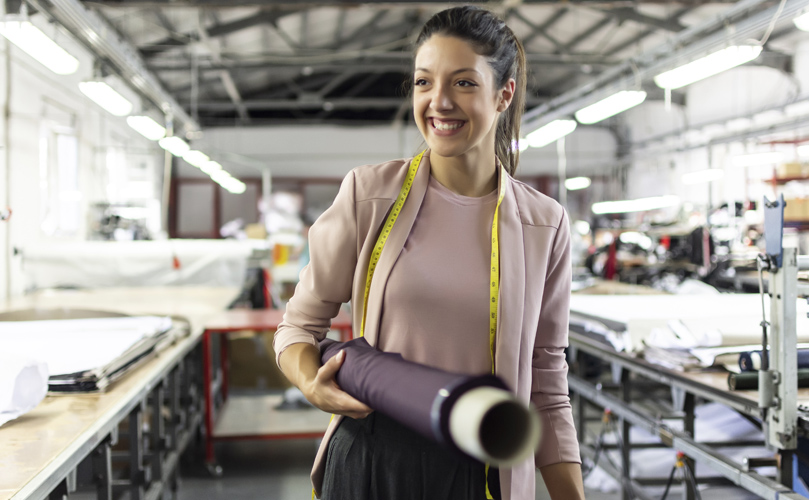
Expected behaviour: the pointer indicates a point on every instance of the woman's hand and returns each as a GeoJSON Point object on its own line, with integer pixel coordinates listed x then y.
{"type": "Point", "coordinates": [324, 392]}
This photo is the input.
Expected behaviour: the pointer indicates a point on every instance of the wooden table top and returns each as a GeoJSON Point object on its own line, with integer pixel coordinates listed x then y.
{"type": "Point", "coordinates": [38, 448]}
{"type": "Point", "coordinates": [260, 319]}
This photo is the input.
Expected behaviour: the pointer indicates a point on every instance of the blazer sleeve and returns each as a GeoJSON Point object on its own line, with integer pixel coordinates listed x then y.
{"type": "Point", "coordinates": [549, 390]}
{"type": "Point", "coordinates": [325, 283]}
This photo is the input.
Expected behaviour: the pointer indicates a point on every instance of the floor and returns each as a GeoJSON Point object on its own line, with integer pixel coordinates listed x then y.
{"type": "Point", "coordinates": [271, 470]}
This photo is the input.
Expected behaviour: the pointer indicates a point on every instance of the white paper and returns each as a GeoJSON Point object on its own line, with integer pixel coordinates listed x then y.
{"type": "Point", "coordinates": [72, 346]}
{"type": "Point", "coordinates": [23, 384]}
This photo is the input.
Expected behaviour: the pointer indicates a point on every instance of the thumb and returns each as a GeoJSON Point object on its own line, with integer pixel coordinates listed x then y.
{"type": "Point", "coordinates": [333, 365]}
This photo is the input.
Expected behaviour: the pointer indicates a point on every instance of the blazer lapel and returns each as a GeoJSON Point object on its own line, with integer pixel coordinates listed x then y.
{"type": "Point", "coordinates": [393, 247]}
{"type": "Point", "coordinates": [512, 287]}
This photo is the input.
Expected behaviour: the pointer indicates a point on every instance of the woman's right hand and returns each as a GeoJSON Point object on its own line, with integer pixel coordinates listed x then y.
{"type": "Point", "coordinates": [323, 391]}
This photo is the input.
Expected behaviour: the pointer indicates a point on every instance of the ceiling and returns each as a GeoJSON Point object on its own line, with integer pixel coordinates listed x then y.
{"type": "Point", "coordinates": [275, 62]}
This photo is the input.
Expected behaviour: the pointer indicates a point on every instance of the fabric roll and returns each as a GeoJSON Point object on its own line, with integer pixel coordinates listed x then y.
{"type": "Point", "coordinates": [421, 397]}
{"type": "Point", "coordinates": [751, 360]}
{"type": "Point", "coordinates": [749, 380]}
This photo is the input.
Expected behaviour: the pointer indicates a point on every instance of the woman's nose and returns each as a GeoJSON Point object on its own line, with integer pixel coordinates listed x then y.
{"type": "Point", "coordinates": [442, 99]}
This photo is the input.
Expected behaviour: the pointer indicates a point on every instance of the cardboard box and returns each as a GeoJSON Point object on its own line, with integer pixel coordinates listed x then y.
{"type": "Point", "coordinates": [252, 362]}
{"type": "Point", "coordinates": [796, 210]}
{"type": "Point", "coordinates": [791, 170]}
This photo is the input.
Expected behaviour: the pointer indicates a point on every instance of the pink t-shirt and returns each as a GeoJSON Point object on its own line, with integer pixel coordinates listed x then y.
{"type": "Point", "coordinates": [435, 309]}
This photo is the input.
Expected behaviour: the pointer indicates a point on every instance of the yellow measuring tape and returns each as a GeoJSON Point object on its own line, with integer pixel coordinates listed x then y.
{"type": "Point", "coordinates": [494, 281]}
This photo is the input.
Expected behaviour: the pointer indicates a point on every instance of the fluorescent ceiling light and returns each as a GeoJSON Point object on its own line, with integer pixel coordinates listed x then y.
{"type": "Point", "coordinates": [803, 151]}
{"type": "Point", "coordinates": [756, 159]}
{"type": "Point", "coordinates": [610, 106]}
{"type": "Point", "coordinates": [703, 176]}
{"type": "Point", "coordinates": [106, 97]}
{"type": "Point", "coordinates": [234, 186]}
{"type": "Point", "coordinates": [582, 227]}
{"type": "Point", "coordinates": [174, 145]}
{"type": "Point", "coordinates": [38, 45]}
{"type": "Point", "coordinates": [709, 65]}
{"type": "Point", "coordinates": [802, 21]}
{"type": "Point", "coordinates": [146, 127]}
{"type": "Point", "coordinates": [196, 158]}
{"type": "Point", "coordinates": [210, 167]}
{"type": "Point", "coordinates": [220, 176]}
{"type": "Point", "coordinates": [639, 205]}
{"type": "Point", "coordinates": [549, 133]}
{"type": "Point", "coordinates": [575, 183]}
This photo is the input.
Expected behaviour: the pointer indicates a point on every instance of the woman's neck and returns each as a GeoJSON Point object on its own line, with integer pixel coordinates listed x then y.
{"type": "Point", "coordinates": [467, 176]}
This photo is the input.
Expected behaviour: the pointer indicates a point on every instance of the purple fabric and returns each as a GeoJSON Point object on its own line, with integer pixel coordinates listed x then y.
{"type": "Point", "coordinates": [417, 396]}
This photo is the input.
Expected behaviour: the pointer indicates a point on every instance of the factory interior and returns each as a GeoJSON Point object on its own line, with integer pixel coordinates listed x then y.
{"type": "Point", "coordinates": [162, 161]}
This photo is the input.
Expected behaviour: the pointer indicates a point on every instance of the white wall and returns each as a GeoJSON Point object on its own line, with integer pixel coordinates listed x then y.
{"type": "Point", "coordinates": [714, 107]}
{"type": "Point", "coordinates": [39, 97]}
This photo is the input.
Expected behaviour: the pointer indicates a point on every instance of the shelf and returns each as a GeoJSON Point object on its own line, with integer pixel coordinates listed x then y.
{"type": "Point", "coordinates": [784, 180]}
{"type": "Point", "coordinates": [256, 416]}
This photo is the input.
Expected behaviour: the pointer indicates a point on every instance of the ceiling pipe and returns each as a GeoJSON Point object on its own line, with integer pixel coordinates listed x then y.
{"type": "Point", "coordinates": [101, 39]}
{"type": "Point", "coordinates": [666, 56]}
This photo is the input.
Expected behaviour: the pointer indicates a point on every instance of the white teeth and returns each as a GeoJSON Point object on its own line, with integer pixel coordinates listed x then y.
{"type": "Point", "coordinates": [447, 126]}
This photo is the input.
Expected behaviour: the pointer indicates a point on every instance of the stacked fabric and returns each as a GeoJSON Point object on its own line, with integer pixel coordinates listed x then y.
{"type": "Point", "coordinates": [85, 355]}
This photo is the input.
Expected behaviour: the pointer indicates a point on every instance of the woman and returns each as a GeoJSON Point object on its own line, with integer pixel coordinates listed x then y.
{"type": "Point", "coordinates": [429, 296]}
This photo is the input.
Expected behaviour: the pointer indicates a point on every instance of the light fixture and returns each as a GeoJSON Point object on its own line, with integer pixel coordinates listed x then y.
{"type": "Point", "coordinates": [803, 151]}
{"type": "Point", "coordinates": [576, 183]}
{"type": "Point", "coordinates": [582, 227]}
{"type": "Point", "coordinates": [234, 186]}
{"type": "Point", "coordinates": [174, 145]}
{"type": "Point", "coordinates": [703, 176]}
{"type": "Point", "coordinates": [610, 106]}
{"type": "Point", "coordinates": [757, 159]}
{"type": "Point", "coordinates": [210, 167]}
{"type": "Point", "coordinates": [31, 40]}
{"type": "Point", "coordinates": [146, 127]}
{"type": "Point", "coordinates": [549, 133]}
{"type": "Point", "coordinates": [106, 97]}
{"type": "Point", "coordinates": [638, 205]}
{"type": "Point", "coordinates": [196, 158]}
{"type": "Point", "coordinates": [220, 176]}
{"type": "Point", "coordinates": [802, 21]}
{"type": "Point", "coordinates": [710, 65]}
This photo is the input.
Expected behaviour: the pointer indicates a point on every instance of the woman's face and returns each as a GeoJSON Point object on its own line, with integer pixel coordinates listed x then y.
{"type": "Point", "coordinates": [455, 101]}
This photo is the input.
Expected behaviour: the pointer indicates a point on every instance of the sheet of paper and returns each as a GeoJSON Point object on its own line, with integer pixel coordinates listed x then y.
{"type": "Point", "coordinates": [72, 346]}
{"type": "Point", "coordinates": [23, 384]}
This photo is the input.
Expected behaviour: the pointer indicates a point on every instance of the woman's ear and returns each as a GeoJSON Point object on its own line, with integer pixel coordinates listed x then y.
{"type": "Point", "coordinates": [506, 94]}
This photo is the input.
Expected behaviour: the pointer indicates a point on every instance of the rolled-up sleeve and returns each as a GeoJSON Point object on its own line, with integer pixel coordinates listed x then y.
{"type": "Point", "coordinates": [549, 389]}
{"type": "Point", "coordinates": [325, 284]}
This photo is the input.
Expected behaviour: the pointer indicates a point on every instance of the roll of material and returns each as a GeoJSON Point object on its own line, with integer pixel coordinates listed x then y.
{"type": "Point", "coordinates": [749, 380]}
{"type": "Point", "coordinates": [751, 361]}
{"type": "Point", "coordinates": [474, 415]}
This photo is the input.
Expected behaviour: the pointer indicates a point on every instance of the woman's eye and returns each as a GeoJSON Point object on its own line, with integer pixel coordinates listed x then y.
{"type": "Point", "coordinates": [420, 81]}
{"type": "Point", "coordinates": [466, 83]}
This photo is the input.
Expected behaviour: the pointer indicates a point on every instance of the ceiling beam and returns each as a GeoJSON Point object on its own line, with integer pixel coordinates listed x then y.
{"type": "Point", "coordinates": [630, 14]}
{"type": "Point", "coordinates": [331, 104]}
{"type": "Point", "coordinates": [541, 30]}
{"type": "Point", "coordinates": [354, 3]}
{"type": "Point", "coordinates": [263, 17]}
{"type": "Point", "coordinates": [393, 61]}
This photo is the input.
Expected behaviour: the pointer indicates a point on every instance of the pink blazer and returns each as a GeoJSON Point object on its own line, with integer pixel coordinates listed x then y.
{"type": "Point", "coordinates": [533, 307]}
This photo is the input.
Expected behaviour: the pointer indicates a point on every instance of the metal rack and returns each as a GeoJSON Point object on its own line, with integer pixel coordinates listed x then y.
{"type": "Point", "coordinates": [776, 407]}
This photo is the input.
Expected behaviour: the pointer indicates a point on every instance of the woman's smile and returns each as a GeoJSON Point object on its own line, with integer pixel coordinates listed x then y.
{"type": "Point", "coordinates": [446, 127]}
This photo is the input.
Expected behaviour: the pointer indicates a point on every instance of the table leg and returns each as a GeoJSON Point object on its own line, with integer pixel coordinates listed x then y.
{"type": "Point", "coordinates": [223, 360]}
{"type": "Point", "coordinates": [207, 380]}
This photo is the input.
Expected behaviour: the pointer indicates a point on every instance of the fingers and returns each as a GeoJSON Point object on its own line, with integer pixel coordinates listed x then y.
{"type": "Point", "coordinates": [328, 395]}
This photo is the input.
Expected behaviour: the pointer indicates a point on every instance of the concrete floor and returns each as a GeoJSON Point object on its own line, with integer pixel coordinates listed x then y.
{"type": "Point", "coordinates": [271, 470]}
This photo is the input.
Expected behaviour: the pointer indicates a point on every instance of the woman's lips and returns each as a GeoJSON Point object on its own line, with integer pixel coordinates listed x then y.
{"type": "Point", "coordinates": [446, 127]}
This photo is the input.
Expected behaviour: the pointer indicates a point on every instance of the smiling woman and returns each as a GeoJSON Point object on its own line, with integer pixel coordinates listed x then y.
{"type": "Point", "coordinates": [435, 254]}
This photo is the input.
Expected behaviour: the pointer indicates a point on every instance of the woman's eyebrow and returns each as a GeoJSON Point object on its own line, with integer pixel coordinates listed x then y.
{"type": "Point", "coordinates": [462, 70]}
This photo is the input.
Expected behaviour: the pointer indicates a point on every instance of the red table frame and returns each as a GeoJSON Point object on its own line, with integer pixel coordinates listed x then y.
{"type": "Point", "coordinates": [235, 320]}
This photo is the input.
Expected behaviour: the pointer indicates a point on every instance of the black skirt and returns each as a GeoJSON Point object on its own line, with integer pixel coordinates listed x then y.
{"type": "Point", "coordinates": [377, 458]}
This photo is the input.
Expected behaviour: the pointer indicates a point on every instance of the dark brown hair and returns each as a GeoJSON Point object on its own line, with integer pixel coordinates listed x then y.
{"type": "Point", "coordinates": [493, 39]}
